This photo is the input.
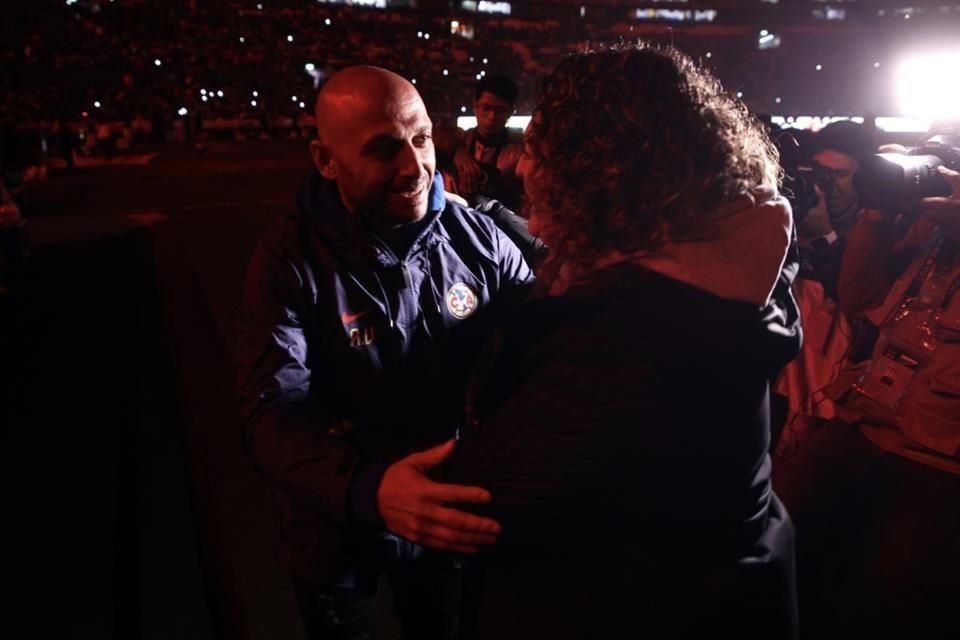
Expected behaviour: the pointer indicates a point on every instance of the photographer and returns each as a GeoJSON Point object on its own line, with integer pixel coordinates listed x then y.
{"type": "Point", "coordinates": [838, 150]}
{"type": "Point", "coordinates": [874, 493]}
{"type": "Point", "coordinates": [902, 276]}
{"type": "Point", "coordinates": [826, 206]}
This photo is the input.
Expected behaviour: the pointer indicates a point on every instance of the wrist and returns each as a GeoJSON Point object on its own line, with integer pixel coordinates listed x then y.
{"type": "Point", "coordinates": [825, 240]}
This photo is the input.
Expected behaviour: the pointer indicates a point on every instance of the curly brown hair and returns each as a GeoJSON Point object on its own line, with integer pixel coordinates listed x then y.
{"type": "Point", "coordinates": [634, 146]}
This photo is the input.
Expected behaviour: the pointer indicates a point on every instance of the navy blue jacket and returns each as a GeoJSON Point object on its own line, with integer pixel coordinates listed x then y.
{"type": "Point", "coordinates": [351, 357]}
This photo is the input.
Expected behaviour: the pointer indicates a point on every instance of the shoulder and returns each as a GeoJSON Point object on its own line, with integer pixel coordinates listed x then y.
{"type": "Point", "coordinates": [464, 225]}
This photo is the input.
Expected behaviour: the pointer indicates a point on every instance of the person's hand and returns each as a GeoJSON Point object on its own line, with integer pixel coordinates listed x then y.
{"type": "Point", "coordinates": [945, 211]}
{"type": "Point", "coordinates": [470, 174]}
{"type": "Point", "coordinates": [817, 221]}
{"type": "Point", "coordinates": [415, 507]}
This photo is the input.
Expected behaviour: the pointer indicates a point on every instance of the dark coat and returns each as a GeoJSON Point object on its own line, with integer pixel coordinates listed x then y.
{"type": "Point", "coordinates": [623, 430]}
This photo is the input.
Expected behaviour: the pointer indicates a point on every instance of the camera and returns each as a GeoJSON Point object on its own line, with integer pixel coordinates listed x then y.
{"type": "Point", "coordinates": [800, 178]}
{"type": "Point", "coordinates": [900, 180]}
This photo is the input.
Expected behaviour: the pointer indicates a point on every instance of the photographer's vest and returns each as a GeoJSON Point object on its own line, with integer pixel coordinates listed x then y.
{"type": "Point", "coordinates": [909, 395]}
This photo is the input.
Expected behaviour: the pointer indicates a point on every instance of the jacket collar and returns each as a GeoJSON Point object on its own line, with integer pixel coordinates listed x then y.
{"type": "Point", "coordinates": [349, 236]}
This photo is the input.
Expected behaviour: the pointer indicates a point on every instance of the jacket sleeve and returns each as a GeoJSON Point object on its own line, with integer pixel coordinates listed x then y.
{"type": "Point", "coordinates": [781, 315]}
{"type": "Point", "coordinates": [296, 442]}
{"type": "Point", "coordinates": [876, 255]}
{"type": "Point", "coordinates": [515, 273]}
{"type": "Point", "coordinates": [516, 228]}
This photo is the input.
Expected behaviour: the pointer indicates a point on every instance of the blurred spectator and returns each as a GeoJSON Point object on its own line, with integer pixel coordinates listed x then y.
{"type": "Point", "coordinates": [483, 160]}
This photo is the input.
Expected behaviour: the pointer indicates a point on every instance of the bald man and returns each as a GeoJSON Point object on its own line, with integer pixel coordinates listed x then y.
{"type": "Point", "coordinates": [361, 314]}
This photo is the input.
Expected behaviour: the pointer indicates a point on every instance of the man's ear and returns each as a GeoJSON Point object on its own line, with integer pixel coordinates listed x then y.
{"type": "Point", "coordinates": [323, 160]}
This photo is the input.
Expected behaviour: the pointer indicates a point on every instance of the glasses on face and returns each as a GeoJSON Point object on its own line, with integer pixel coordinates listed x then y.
{"type": "Point", "coordinates": [834, 174]}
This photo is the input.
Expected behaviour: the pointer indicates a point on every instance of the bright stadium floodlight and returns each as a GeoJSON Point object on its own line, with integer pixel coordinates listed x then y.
{"type": "Point", "coordinates": [182, 111]}
{"type": "Point", "coordinates": [926, 88]}
{"type": "Point", "coordinates": [515, 122]}
{"type": "Point", "coordinates": [309, 66]}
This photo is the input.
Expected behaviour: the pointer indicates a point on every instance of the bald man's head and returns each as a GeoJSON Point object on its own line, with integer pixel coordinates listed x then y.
{"type": "Point", "coordinates": [374, 140]}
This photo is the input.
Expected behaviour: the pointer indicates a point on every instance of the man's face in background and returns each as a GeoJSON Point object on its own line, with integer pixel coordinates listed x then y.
{"type": "Point", "coordinates": [840, 196]}
{"type": "Point", "coordinates": [492, 113]}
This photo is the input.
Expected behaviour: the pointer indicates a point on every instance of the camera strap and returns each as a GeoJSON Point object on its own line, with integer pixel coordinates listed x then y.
{"type": "Point", "coordinates": [931, 261]}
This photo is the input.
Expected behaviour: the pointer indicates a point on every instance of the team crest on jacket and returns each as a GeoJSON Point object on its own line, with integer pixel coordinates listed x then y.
{"type": "Point", "coordinates": [461, 300]}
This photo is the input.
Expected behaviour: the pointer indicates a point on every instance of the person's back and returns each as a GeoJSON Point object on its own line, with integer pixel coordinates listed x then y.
{"type": "Point", "coordinates": [622, 422]}
{"type": "Point", "coordinates": [623, 439]}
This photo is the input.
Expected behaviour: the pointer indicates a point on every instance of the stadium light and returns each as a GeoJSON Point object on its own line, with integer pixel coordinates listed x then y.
{"type": "Point", "coordinates": [819, 67]}
{"type": "Point", "coordinates": [242, 40]}
{"type": "Point", "coordinates": [514, 122]}
{"type": "Point", "coordinates": [327, 22]}
{"type": "Point", "coordinates": [253, 103]}
{"type": "Point", "coordinates": [204, 98]}
{"type": "Point", "coordinates": [156, 62]}
{"type": "Point", "coordinates": [203, 92]}
{"type": "Point", "coordinates": [294, 99]}
{"type": "Point", "coordinates": [96, 103]}
{"type": "Point", "coordinates": [445, 72]}
{"type": "Point", "coordinates": [182, 111]}
{"type": "Point", "coordinates": [923, 86]}
{"type": "Point", "coordinates": [289, 38]}
{"type": "Point", "coordinates": [255, 94]}
{"type": "Point", "coordinates": [219, 93]}
{"type": "Point", "coordinates": [303, 105]}
{"type": "Point", "coordinates": [426, 36]}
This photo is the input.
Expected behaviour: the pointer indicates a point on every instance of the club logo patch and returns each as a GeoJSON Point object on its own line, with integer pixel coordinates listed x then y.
{"type": "Point", "coordinates": [461, 300]}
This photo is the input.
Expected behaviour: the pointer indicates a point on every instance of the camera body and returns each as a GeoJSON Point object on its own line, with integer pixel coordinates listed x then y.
{"type": "Point", "coordinates": [800, 178]}
{"type": "Point", "coordinates": [898, 181]}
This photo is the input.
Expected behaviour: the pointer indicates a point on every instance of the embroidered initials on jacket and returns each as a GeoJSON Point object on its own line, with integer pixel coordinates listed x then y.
{"type": "Point", "coordinates": [362, 337]}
